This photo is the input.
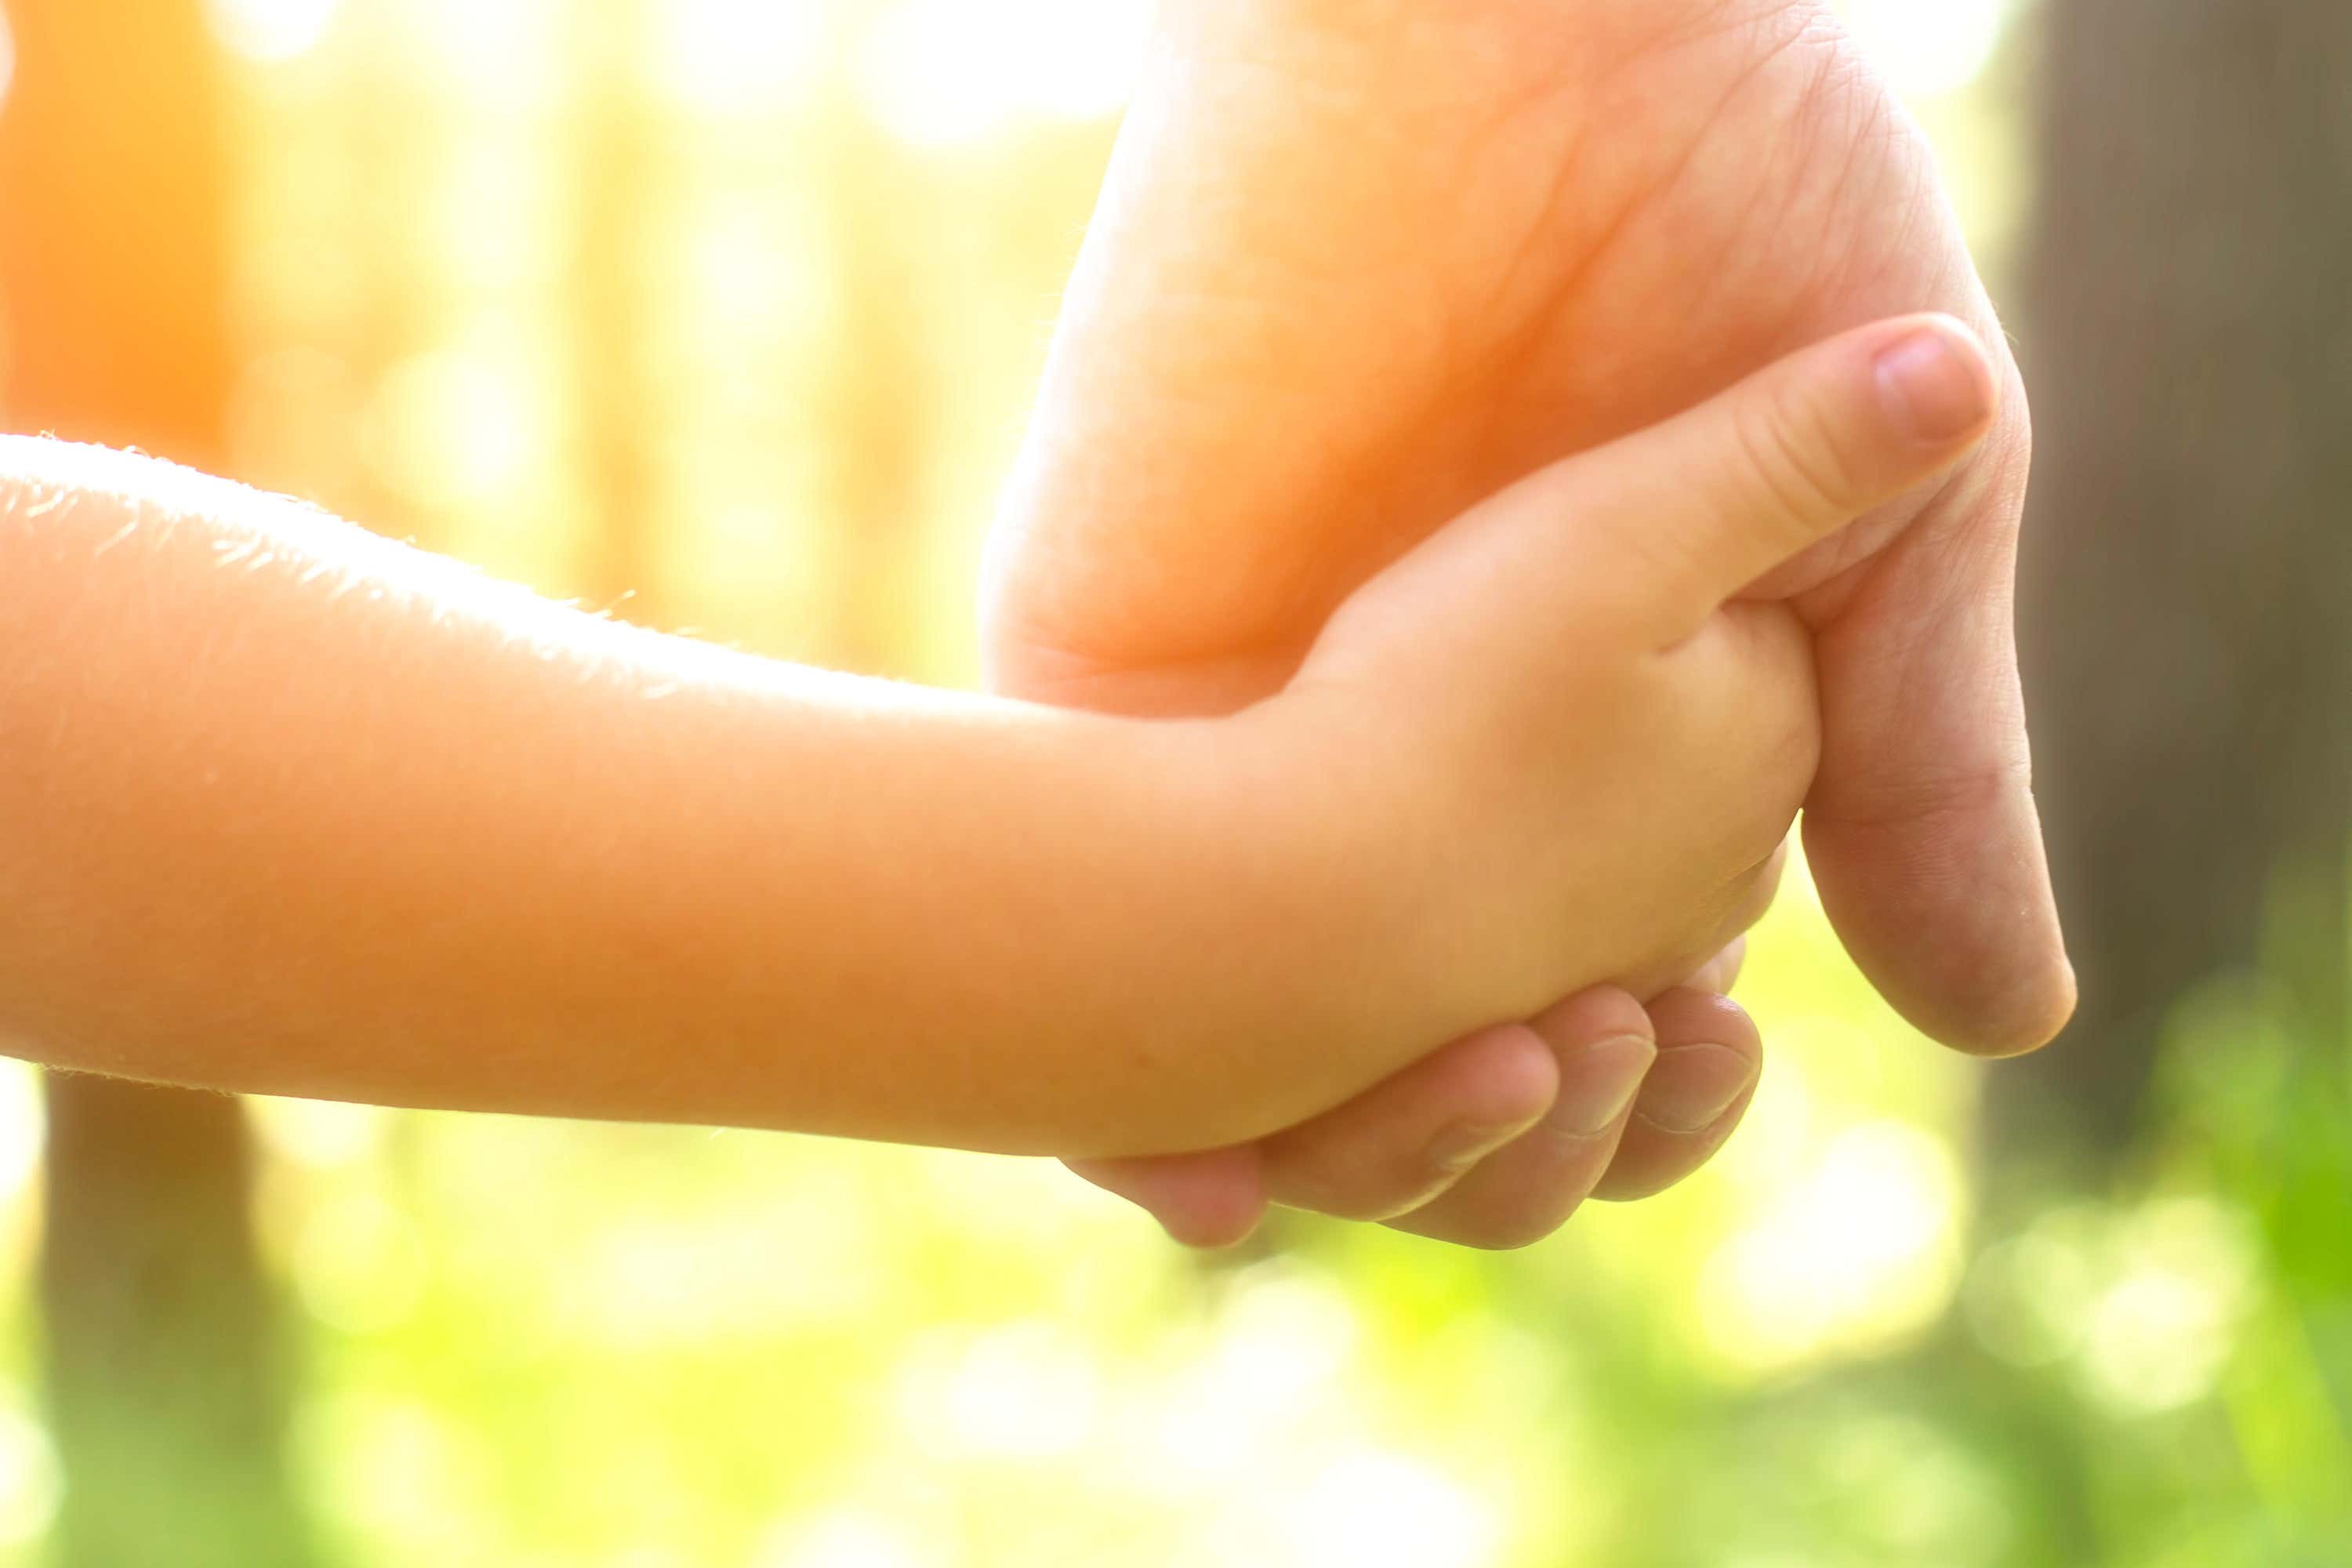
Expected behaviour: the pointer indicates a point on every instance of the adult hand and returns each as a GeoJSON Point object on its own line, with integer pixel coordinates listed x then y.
{"type": "Point", "coordinates": [1359, 264]}
{"type": "Point", "coordinates": [1546, 1101]}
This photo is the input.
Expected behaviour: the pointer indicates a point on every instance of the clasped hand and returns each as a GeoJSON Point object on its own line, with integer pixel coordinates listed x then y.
{"type": "Point", "coordinates": [1359, 267]}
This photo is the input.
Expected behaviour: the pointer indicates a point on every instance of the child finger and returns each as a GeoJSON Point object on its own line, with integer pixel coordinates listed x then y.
{"type": "Point", "coordinates": [1206, 1200]}
{"type": "Point", "coordinates": [1679, 517]}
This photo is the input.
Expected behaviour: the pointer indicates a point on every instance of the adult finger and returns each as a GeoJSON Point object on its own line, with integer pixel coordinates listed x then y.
{"type": "Point", "coordinates": [1921, 828]}
{"type": "Point", "coordinates": [1710, 1059]}
{"type": "Point", "coordinates": [1402, 1144]}
{"type": "Point", "coordinates": [1212, 1199]}
{"type": "Point", "coordinates": [1407, 1140]}
{"type": "Point", "coordinates": [1604, 1045]}
{"type": "Point", "coordinates": [1395, 1146]}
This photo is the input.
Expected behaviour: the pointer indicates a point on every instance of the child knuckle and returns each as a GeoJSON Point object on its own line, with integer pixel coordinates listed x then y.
{"type": "Point", "coordinates": [1796, 464]}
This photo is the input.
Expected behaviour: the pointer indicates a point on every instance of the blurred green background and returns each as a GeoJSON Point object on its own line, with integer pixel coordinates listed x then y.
{"type": "Point", "coordinates": [727, 314]}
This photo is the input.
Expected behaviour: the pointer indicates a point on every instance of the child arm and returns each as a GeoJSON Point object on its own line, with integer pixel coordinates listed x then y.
{"type": "Point", "coordinates": [287, 807]}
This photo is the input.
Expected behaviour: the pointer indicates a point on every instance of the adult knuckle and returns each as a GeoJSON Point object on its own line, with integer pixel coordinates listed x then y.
{"type": "Point", "coordinates": [1339, 1194]}
{"type": "Point", "coordinates": [1345, 1185]}
{"type": "Point", "coordinates": [1509, 1223]}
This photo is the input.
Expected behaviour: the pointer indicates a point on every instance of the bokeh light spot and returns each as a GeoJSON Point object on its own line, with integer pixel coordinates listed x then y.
{"type": "Point", "coordinates": [1385, 1511]}
{"type": "Point", "coordinates": [940, 72]}
{"type": "Point", "coordinates": [844, 1541]}
{"type": "Point", "coordinates": [1860, 1250]}
{"type": "Point", "coordinates": [23, 1126]}
{"type": "Point", "coordinates": [733, 56]}
{"type": "Point", "coordinates": [1022, 1391]}
{"type": "Point", "coordinates": [269, 31]}
{"type": "Point", "coordinates": [321, 1134]}
{"type": "Point", "coordinates": [455, 426]}
{"type": "Point", "coordinates": [30, 1482]}
{"type": "Point", "coordinates": [1930, 48]}
{"type": "Point", "coordinates": [2165, 1327]}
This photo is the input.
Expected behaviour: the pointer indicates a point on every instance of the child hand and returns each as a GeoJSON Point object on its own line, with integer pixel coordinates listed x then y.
{"type": "Point", "coordinates": [617, 874]}
{"type": "Point", "coordinates": [1580, 757]}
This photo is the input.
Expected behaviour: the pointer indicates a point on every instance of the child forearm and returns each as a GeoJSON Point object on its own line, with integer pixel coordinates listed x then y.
{"type": "Point", "coordinates": [287, 808]}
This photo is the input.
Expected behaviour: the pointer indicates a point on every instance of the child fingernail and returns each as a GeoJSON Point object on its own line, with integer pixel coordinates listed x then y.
{"type": "Point", "coordinates": [1934, 387]}
{"type": "Point", "coordinates": [1598, 1085]}
{"type": "Point", "coordinates": [1693, 1087]}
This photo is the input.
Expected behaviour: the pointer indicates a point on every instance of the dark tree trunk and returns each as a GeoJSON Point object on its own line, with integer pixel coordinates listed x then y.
{"type": "Point", "coordinates": [165, 1370]}
{"type": "Point", "coordinates": [2188, 334]}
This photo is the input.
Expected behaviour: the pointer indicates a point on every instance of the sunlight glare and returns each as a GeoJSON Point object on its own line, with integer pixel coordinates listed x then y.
{"type": "Point", "coordinates": [1375, 1509]}
{"type": "Point", "coordinates": [318, 1134]}
{"type": "Point", "coordinates": [2164, 1331]}
{"type": "Point", "coordinates": [505, 52]}
{"type": "Point", "coordinates": [1025, 1391]}
{"type": "Point", "coordinates": [358, 1264]}
{"type": "Point", "coordinates": [1929, 47]}
{"type": "Point", "coordinates": [940, 72]}
{"type": "Point", "coordinates": [1284, 1342]}
{"type": "Point", "coordinates": [396, 1467]}
{"type": "Point", "coordinates": [269, 31]}
{"type": "Point", "coordinates": [844, 1540]}
{"type": "Point", "coordinates": [739, 55]}
{"type": "Point", "coordinates": [806, 1257]}
{"type": "Point", "coordinates": [30, 1483]}
{"type": "Point", "coordinates": [1281, 1337]}
{"type": "Point", "coordinates": [2029, 1299]}
{"type": "Point", "coordinates": [455, 426]}
{"type": "Point", "coordinates": [1861, 1251]}
{"type": "Point", "coordinates": [23, 1126]}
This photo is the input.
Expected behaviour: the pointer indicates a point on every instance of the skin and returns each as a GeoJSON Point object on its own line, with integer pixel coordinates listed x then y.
{"type": "Point", "coordinates": [1359, 260]}
{"type": "Point", "coordinates": [287, 808]}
